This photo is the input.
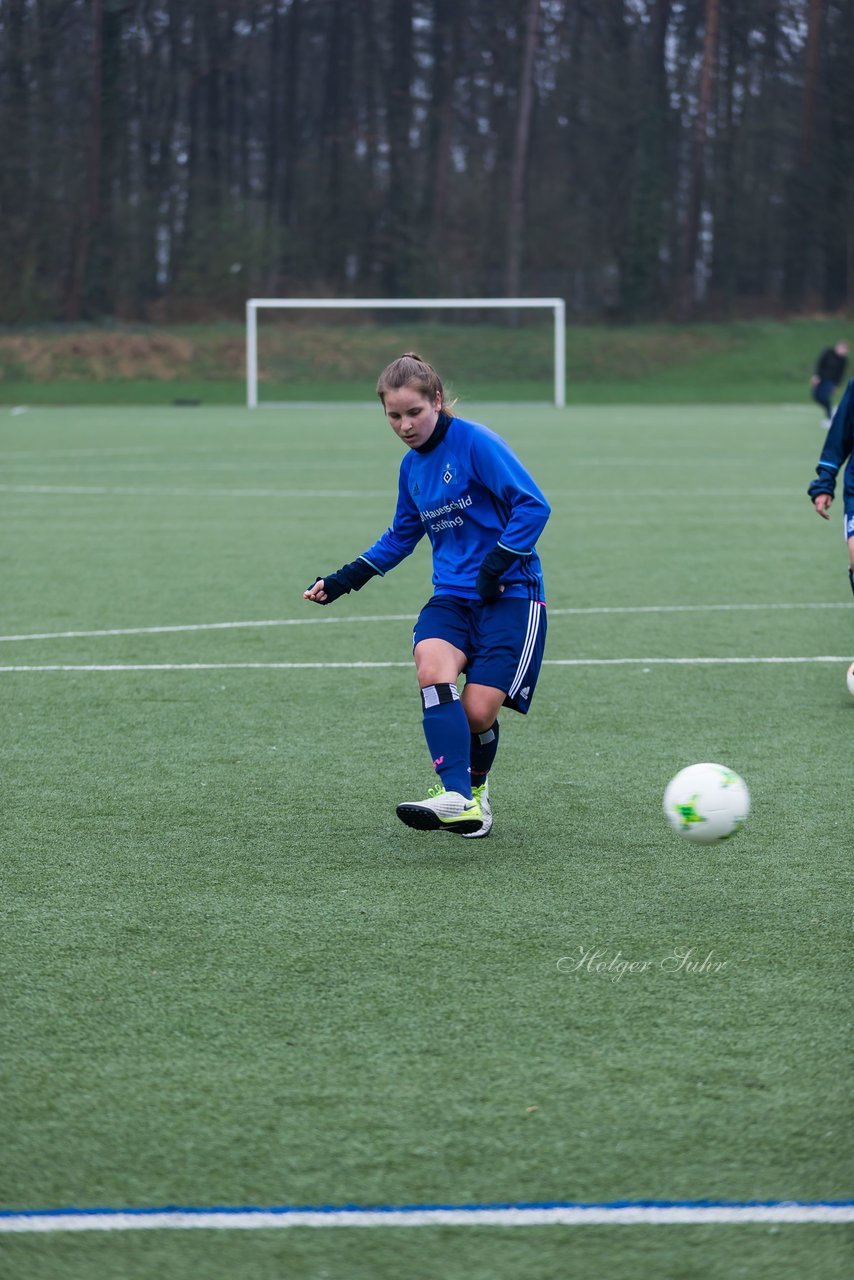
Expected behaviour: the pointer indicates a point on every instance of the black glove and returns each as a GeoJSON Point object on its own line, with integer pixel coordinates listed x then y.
{"type": "Point", "coordinates": [352, 577]}
{"type": "Point", "coordinates": [495, 563]}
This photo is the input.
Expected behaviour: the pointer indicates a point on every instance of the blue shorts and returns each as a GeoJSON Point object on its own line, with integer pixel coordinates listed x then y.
{"type": "Point", "coordinates": [849, 525]}
{"type": "Point", "coordinates": [503, 641]}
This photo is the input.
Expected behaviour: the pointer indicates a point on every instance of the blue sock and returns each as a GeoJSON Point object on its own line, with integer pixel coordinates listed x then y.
{"type": "Point", "coordinates": [851, 576]}
{"type": "Point", "coordinates": [447, 732]}
{"type": "Point", "coordinates": [482, 749]}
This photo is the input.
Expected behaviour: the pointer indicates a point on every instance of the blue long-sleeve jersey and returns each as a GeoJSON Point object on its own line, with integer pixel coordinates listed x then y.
{"type": "Point", "coordinates": [467, 491]}
{"type": "Point", "coordinates": [838, 445]}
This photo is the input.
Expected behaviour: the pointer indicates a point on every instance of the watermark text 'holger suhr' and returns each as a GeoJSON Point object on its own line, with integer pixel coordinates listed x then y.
{"type": "Point", "coordinates": [615, 966]}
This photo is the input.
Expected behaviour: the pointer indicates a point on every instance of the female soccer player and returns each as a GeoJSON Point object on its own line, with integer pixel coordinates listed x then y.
{"type": "Point", "coordinates": [838, 445]}
{"type": "Point", "coordinates": [461, 485]}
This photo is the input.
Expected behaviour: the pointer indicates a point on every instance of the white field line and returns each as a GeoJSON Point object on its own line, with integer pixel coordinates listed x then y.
{"type": "Point", "coordinates": [404, 617]}
{"type": "Point", "coordinates": [428, 1216]}
{"type": "Point", "coordinates": [752, 660]}
{"type": "Point", "coordinates": [198, 472]}
{"type": "Point", "coordinates": [144, 491]}
{"type": "Point", "coordinates": [152, 491]}
{"type": "Point", "coordinates": [115, 460]}
{"type": "Point", "coordinates": [328, 666]}
{"type": "Point", "coordinates": [41, 455]}
{"type": "Point", "coordinates": [208, 626]}
{"type": "Point", "coordinates": [198, 463]}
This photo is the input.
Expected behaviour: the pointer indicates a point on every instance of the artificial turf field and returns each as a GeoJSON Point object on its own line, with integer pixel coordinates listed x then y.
{"type": "Point", "coordinates": [231, 977]}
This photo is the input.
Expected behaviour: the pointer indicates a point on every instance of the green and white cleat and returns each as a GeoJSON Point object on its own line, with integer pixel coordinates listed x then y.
{"type": "Point", "coordinates": [481, 794]}
{"type": "Point", "coordinates": [443, 811]}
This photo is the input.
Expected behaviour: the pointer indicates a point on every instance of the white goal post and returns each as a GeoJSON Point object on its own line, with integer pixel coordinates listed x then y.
{"type": "Point", "coordinates": [556, 305]}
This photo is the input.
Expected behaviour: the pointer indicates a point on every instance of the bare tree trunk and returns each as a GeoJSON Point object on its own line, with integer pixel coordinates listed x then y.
{"type": "Point", "coordinates": [816, 13]}
{"type": "Point", "coordinates": [801, 223]}
{"type": "Point", "coordinates": [447, 21]}
{"type": "Point", "coordinates": [398, 243]}
{"type": "Point", "coordinates": [698, 162]}
{"type": "Point", "coordinates": [88, 213]}
{"type": "Point", "coordinates": [516, 212]}
{"type": "Point", "coordinates": [16, 131]}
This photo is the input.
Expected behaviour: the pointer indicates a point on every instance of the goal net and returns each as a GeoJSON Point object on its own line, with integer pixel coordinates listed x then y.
{"type": "Point", "coordinates": [314, 349]}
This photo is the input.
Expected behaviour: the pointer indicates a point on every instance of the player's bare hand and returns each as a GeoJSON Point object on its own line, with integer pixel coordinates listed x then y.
{"type": "Point", "coordinates": [822, 504]}
{"type": "Point", "coordinates": [315, 593]}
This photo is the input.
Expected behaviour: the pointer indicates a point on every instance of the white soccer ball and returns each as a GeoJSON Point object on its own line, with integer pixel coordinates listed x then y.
{"type": "Point", "coordinates": [849, 679]}
{"type": "Point", "coordinates": [706, 802]}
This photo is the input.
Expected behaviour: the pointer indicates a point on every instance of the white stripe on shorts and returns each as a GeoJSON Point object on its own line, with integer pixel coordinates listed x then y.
{"type": "Point", "coordinates": [528, 648]}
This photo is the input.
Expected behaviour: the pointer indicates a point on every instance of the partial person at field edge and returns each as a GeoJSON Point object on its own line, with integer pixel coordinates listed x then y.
{"type": "Point", "coordinates": [829, 372]}
{"type": "Point", "coordinates": [462, 486]}
{"type": "Point", "coordinates": [838, 445]}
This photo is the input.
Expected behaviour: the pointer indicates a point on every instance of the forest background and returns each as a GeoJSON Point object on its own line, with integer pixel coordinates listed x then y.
{"type": "Point", "coordinates": [163, 160]}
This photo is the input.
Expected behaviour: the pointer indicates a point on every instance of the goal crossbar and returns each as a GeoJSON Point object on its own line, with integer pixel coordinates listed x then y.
{"type": "Point", "coordinates": [556, 305]}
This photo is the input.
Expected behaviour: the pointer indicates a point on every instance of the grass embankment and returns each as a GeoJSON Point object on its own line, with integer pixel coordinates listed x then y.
{"type": "Point", "coordinates": [744, 362]}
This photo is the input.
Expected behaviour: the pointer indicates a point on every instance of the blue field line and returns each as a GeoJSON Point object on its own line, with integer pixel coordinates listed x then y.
{"type": "Point", "coordinates": [503, 1213]}
{"type": "Point", "coordinates": [357, 1207]}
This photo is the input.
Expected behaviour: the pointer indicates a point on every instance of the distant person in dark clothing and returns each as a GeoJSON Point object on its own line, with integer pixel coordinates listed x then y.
{"type": "Point", "coordinates": [837, 451]}
{"type": "Point", "coordinates": [829, 372]}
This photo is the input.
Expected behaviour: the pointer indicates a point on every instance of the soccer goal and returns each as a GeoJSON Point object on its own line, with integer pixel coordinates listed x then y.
{"type": "Point", "coordinates": [254, 305]}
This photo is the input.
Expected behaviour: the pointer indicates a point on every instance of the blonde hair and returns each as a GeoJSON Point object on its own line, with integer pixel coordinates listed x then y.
{"type": "Point", "coordinates": [410, 370]}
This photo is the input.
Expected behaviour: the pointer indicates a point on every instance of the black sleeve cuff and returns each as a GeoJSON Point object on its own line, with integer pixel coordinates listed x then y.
{"type": "Point", "coordinates": [824, 484]}
{"type": "Point", "coordinates": [354, 576]}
